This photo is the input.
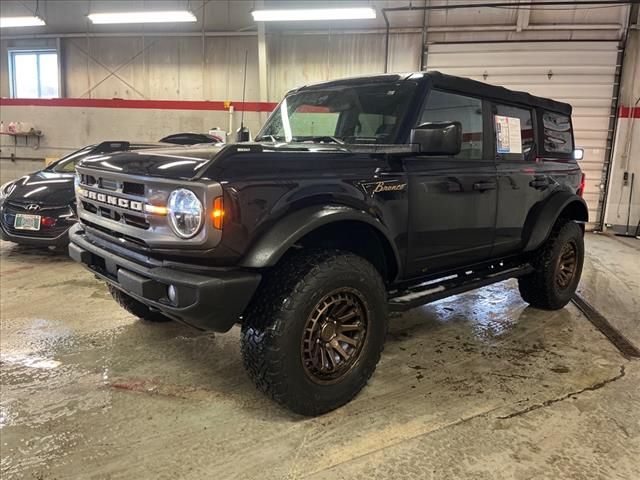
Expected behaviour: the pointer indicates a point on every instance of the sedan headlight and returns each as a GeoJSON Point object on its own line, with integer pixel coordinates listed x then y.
{"type": "Point", "coordinates": [185, 213]}
{"type": "Point", "coordinates": [6, 189]}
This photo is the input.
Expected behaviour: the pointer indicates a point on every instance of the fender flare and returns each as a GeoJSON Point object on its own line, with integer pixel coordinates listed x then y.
{"type": "Point", "coordinates": [544, 215]}
{"type": "Point", "coordinates": [272, 245]}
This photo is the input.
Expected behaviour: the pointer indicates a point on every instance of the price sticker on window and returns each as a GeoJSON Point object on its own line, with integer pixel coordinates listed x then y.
{"type": "Point", "coordinates": [508, 134]}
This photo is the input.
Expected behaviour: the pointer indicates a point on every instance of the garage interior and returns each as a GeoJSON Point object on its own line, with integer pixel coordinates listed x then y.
{"type": "Point", "coordinates": [479, 385]}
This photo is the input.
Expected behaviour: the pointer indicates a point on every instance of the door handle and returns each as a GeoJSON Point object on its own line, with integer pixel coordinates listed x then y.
{"type": "Point", "coordinates": [453, 186]}
{"type": "Point", "coordinates": [482, 186]}
{"type": "Point", "coordinates": [539, 183]}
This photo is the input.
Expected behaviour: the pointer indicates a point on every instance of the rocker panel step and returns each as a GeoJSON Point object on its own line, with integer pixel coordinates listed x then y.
{"type": "Point", "coordinates": [463, 282]}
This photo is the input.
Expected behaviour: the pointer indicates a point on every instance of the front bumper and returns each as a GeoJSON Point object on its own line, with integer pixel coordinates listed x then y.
{"type": "Point", "coordinates": [58, 241]}
{"type": "Point", "coordinates": [52, 236]}
{"type": "Point", "coordinates": [211, 300]}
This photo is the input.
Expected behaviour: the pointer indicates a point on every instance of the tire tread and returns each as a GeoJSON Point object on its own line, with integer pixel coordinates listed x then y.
{"type": "Point", "coordinates": [268, 315]}
{"type": "Point", "coordinates": [537, 288]}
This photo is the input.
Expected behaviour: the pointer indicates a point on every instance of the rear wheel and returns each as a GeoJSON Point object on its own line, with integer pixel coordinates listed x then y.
{"type": "Point", "coordinates": [313, 335]}
{"type": "Point", "coordinates": [558, 266]}
{"type": "Point", "coordinates": [136, 308]}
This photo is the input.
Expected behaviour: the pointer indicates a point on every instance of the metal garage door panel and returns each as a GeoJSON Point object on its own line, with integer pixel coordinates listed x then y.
{"type": "Point", "coordinates": [579, 73]}
{"type": "Point", "coordinates": [506, 58]}
{"type": "Point", "coordinates": [579, 111]}
{"type": "Point", "coordinates": [591, 123]}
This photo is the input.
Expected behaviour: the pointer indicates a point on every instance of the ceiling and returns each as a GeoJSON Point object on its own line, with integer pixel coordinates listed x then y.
{"type": "Point", "coordinates": [69, 16]}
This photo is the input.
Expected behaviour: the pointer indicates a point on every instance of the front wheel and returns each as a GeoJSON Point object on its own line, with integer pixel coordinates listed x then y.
{"type": "Point", "coordinates": [558, 266]}
{"type": "Point", "coordinates": [313, 335]}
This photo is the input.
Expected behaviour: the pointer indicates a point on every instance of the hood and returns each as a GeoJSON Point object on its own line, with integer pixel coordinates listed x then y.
{"type": "Point", "coordinates": [44, 188]}
{"type": "Point", "coordinates": [173, 162]}
{"type": "Point", "coordinates": [188, 162]}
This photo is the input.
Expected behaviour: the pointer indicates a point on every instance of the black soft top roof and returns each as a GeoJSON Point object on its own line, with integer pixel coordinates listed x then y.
{"type": "Point", "coordinates": [466, 85]}
{"type": "Point", "coordinates": [451, 82]}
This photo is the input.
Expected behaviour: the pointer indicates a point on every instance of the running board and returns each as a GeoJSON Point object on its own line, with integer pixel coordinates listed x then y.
{"type": "Point", "coordinates": [452, 285]}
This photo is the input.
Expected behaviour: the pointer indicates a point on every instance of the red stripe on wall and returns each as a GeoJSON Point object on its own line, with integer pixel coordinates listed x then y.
{"type": "Point", "coordinates": [623, 112]}
{"type": "Point", "coordinates": [629, 112]}
{"type": "Point", "coordinates": [144, 104]}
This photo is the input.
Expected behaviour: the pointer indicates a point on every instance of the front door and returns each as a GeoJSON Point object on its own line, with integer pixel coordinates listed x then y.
{"type": "Point", "coordinates": [452, 200]}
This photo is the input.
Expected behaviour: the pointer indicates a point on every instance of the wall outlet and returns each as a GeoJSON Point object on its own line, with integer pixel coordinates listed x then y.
{"type": "Point", "coordinates": [625, 179]}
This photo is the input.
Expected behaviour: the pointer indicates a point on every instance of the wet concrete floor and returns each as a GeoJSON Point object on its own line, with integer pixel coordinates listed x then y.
{"type": "Point", "coordinates": [475, 386]}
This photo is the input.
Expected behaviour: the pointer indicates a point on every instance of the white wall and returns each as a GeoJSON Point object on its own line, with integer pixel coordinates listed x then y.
{"type": "Point", "coordinates": [626, 153]}
{"type": "Point", "coordinates": [299, 59]}
{"type": "Point", "coordinates": [177, 68]}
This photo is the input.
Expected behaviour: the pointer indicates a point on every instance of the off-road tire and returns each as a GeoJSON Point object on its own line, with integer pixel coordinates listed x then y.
{"type": "Point", "coordinates": [274, 325]}
{"type": "Point", "coordinates": [540, 288]}
{"type": "Point", "coordinates": [136, 308]}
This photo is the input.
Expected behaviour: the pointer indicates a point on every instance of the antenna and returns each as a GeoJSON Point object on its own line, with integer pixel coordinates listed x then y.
{"type": "Point", "coordinates": [243, 134]}
{"type": "Point", "coordinates": [244, 86]}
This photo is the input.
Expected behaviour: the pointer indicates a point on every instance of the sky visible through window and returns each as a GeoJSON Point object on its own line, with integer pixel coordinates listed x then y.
{"type": "Point", "coordinates": [34, 74]}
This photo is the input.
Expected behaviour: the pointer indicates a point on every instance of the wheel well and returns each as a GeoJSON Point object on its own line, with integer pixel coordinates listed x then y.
{"type": "Point", "coordinates": [575, 211]}
{"type": "Point", "coordinates": [356, 237]}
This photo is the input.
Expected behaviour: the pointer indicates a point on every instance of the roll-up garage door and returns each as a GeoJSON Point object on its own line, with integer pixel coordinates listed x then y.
{"type": "Point", "coordinates": [580, 73]}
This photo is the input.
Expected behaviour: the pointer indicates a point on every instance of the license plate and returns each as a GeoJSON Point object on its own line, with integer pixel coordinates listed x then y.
{"type": "Point", "coordinates": [27, 222]}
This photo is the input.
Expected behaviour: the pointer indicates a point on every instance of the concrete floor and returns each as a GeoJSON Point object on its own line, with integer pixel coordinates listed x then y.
{"type": "Point", "coordinates": [476, 386]}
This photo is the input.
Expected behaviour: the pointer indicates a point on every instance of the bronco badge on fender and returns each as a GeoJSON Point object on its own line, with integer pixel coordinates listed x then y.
{"type": "Point", "coordinates": [372, 188]}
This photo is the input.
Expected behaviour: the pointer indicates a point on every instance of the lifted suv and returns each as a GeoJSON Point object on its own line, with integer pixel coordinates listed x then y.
{"type": "Point", "coordinates": [359, 196]}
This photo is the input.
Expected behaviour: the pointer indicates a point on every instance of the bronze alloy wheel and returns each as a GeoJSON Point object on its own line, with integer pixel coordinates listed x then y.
{"type": "Point", "coordinates": [567, 265]}
{"type": "Point", "coordinates": [334, 336]}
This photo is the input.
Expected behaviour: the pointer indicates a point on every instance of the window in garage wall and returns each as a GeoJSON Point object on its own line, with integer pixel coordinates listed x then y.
{"type": "Point", "coordinates": [34, 73]}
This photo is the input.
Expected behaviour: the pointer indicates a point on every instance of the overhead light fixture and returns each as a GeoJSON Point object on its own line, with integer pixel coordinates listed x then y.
{"type": "Point", "coordinates": [7, 22]}
{"type": "Point", "coordinates": [143, 17]}
{"type": "Point", "coordinates": [299, 14]}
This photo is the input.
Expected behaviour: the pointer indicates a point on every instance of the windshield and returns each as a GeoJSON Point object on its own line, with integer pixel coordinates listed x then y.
{"type": "Point", "coordinates": [365, 114]}
{"type": "Point", "coordinates": [68, 164]}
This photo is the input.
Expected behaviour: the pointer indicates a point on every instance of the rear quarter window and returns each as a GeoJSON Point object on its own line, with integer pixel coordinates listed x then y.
{"type": "Point", "coordinates": [556, 131]}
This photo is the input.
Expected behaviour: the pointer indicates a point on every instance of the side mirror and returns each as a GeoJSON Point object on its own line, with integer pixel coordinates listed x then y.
{"type": "Point", "coordinates": [438, 138]}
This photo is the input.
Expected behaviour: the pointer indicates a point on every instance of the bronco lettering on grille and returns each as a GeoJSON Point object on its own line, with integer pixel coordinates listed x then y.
{"type": "Point", "coordinates": [113, 200]}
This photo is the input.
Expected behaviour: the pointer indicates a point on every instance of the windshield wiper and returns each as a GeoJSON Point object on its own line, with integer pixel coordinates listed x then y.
{"type": "Point", "coordinates": [271, 138]}
{"type": "Point", "coordinates": [321, 139]}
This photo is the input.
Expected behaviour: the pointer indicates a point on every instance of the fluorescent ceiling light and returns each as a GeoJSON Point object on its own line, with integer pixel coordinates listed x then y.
{"type": "Point", "coordinates": [6, 22]}
{"type": "Point", "coordinates": [296, 14]}
{"type": "Point", "coordinates": [143, 17]}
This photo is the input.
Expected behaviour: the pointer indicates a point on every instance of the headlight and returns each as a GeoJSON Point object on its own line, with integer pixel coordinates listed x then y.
{"type": "Point", "coordinates": [6, 189]}
{"type": "Point", "coordinates": [185, 213]}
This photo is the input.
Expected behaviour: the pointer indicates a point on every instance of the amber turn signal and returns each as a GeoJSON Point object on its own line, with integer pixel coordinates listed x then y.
{"type": "Point", "coordinates": [218, 213]}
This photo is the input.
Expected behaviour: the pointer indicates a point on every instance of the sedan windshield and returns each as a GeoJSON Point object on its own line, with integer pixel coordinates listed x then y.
{"type": "Point", "coordinates": [369, 113]}
{"type": "Point", "coordinates": [68, 164]}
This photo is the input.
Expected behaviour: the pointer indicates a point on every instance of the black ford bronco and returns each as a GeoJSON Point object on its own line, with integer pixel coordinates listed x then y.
{"type": "Point", "coordinates": [358, 197]}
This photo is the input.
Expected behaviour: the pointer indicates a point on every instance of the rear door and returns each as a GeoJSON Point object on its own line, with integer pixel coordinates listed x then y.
{"type": "Point", "coordinates": [452, 200]}
{"type": "Point", "coordinates": [522, 181]}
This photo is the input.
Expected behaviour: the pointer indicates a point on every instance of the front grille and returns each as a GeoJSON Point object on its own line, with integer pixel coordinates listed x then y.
{"type": "Point", "coordinates": [116, 205]}
{"type": "Point", "coordinates": [51, 210]}
{"type": "Point", "coordinates": [115, 234]}
{"type": "Point", "coordinates": [107, 184]}
{"type": "Point", "coordinates": [106, 193]}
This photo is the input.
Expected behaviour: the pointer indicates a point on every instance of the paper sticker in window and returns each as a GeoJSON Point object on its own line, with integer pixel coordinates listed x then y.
{"type": "Point", "coordinates": [508, 134]}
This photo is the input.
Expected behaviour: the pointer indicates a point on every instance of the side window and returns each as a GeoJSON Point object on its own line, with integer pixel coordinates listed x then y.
{"type": "Point", "coordinates": [513, 127]}
{"type": "Point", "coordinates": [557, 133]}
{"type": "Point", "coordinates": [451, 107]}
{"type": "Point", "coordinates": [33, 73]}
